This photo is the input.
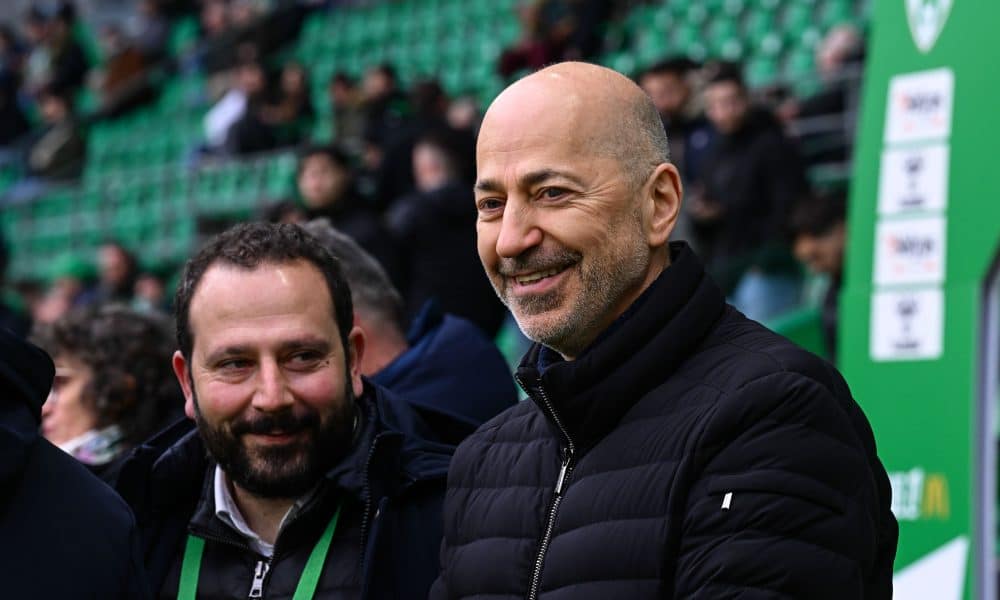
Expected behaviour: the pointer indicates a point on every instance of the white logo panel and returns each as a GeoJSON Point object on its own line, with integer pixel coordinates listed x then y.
{"type": "Point", "coordinates": [907, 325]}
{"type": "Point", "coordinates": [920, 106]}
{"type": "Point", "coordinates": [913, 179]}
{"type": "Point", "coordinates": [910, 251]}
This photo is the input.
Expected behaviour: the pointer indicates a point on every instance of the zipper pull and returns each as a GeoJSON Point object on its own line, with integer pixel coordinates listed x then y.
{"type": "Point", "coordinates": [562, 475]}
{"type": "Point", "coordinates": [259, 573]}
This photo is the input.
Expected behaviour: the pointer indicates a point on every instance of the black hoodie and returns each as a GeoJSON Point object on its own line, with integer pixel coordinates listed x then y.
{"type": "Point", "coordinates": [65, 533]}
{"type": "Point", "coordinates": [756, 175]}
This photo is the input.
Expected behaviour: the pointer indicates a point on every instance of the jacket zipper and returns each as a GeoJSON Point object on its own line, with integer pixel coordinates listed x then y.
{"type": "Point", "coordinates": [566, 468]}
{"type": "Point", "coordinates": [261, 570]}
{"type": "Point", "coordinates": [367, 493]}
{"type": "Point", "coordinates": [259, 573]}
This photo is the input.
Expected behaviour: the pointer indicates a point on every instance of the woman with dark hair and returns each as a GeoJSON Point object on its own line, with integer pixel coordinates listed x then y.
{"type": "Point", "coordinates": [114, 386]}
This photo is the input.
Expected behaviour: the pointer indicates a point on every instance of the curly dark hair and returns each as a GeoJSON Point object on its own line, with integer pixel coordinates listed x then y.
{"type": "Point", "coordinates": [250, 245]}
{"type": "Point", "coordinates": [129, 352]}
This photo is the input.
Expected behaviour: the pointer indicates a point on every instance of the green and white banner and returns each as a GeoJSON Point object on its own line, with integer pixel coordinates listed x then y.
{"type": "Point", "coordinates": [918, 328]}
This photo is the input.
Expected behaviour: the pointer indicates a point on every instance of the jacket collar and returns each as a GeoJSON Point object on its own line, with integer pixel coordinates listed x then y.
{"type": "Point", "coordinates": [638, 351]}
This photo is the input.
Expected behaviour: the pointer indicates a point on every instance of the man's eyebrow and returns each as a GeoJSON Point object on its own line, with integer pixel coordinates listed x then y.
{"type": "Point", "coordinates": [226, 352]}
{"type": "Point", "coordinates": [313, 342]}
{"type": "Point", "coordinates": [530, 180]}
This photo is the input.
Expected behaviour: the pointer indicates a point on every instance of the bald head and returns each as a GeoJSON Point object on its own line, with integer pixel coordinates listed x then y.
{"type": "Point", "coordinates": [601, 110]}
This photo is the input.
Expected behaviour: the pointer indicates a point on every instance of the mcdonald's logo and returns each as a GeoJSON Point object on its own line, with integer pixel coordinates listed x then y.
{"type": "Point", "coordinates": [935, 501]}
{"type": "Point", "coordinates": [918, 495]}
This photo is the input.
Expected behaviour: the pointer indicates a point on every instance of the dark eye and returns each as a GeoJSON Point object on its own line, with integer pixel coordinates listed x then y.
{"type": "Point", "coordinates": [305, 358]}
{"type": "Point", "coordinates": [488, 205]}
{"type": "Point", "coordinates": [234, 364]}
{"type": "Point", "coordinates": [553, 193]}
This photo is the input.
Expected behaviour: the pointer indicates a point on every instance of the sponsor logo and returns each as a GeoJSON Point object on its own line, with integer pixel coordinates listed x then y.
{"type": "Point", "coordinates": [920, 106]}
{"type": "Point", "coordinates": [912, 246]}
{"type": "Point", "coordinates": [918, 495]}
{"type": "Point", "coordinates": [927, 19]}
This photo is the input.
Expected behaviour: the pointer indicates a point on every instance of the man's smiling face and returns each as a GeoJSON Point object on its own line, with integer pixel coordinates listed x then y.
{"type": "Point", "coordinates": [560, 231]}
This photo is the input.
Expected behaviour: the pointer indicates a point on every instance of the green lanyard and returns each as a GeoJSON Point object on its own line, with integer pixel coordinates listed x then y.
{"type": "Point", "coordinates": [306, 588]}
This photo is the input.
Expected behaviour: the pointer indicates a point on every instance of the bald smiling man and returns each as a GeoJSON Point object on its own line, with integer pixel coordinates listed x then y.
{"type": "Point", "coordinates": [671, 447]}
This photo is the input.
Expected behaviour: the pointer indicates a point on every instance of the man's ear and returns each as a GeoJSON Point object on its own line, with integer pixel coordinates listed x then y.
{"type": "Point", "coordinates": [181, 372]}
{"type": "Point", "coordinates": [663, 204]}
{"type": "Point", "coordinates": [355, 352]}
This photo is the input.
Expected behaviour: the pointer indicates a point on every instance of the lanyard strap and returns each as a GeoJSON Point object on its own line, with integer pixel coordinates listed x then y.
{"type": "Point", "coordinates": [306, 588]}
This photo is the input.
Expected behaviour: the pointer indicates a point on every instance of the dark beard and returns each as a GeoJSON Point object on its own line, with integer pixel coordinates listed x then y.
{"type": "Point", "coordinates": [287, 470]}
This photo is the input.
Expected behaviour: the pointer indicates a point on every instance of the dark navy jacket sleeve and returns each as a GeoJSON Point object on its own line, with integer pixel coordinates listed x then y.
{"type": "Point", "coordinates": [783, 506]}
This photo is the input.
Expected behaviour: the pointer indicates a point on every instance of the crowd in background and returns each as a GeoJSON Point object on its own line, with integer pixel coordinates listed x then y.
{"type": "Point", "coordinates": [398, 179]}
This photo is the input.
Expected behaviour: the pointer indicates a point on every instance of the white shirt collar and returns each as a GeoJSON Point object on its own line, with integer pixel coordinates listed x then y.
{"type": "Point", "coordinates": [229, 513]}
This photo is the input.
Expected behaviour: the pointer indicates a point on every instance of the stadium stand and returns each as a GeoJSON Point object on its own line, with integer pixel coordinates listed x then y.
{"type": "Point", "coordinates": [140, 185]}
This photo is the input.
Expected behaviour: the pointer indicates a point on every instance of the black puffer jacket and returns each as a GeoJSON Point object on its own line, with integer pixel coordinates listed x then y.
{"type": "Point", "coordinates": [681, 403]}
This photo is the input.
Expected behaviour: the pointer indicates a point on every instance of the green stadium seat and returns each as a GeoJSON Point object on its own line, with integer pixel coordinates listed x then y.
{"type": "Point", "coordinates": [761, 71]}
{"type": "Point", "coordinates": [836, 12]}
{"type": "Point", "coordinates": [724, 39]}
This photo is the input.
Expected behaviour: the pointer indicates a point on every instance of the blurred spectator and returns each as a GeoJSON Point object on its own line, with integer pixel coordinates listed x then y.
{"type": "Point", "coordinates": [120, 82]}
{"type": "Point", "coordinates": [114, 384]}
{"type": "Point", "coordinates": [117, 271]}
{"type": "Point", "coordinates": [58, 150]}
{"type": "Point", "coordinates": [152, 30]}
{"type": "Point", "coordinates": [668, 84]}
{"type": "Point", "coordinates": [67, 59]}
{"type": "Point", "coordinates": [13, 123]}
{"type": "Point", "coordinates": [326, 184]}
{"type": "Point", "coordinates": [213, 19]}
{"type": "Point", "coordinates": [10, 318]}
{"type": "Point", "coordinates": [463, 115]}
{"type": "Point", "coordinates": [66, 535]}
{"type": "Point", "coordinates": [285, 211]}
{"type": "Point", "coordinates": [150, 294]}
{"type": "Point", "coordinates": [233, 124]}
{"type": "Point", "coordinates": [291, 114]}
{"type": "Point", "coordinates": [37, 67]}
{"type": "Point", "coordinates": [445, 367]}
{"type": "Point", "coordinates": [547, 26]}
{"type": "Point", "coordinates": [590, 19]}
{"type": "Point", "coordinates": [825, 122]}
{"type": "Point", "coordinates": [72, 286]}
{"type": "Point", "coordinates": [435, 229]}
{"type": "Point", "coordinates": [11, 54]}
{"type": "Point", "coordinates": [348, 114]}
{"type": "Point", "coordinates": [819, 234]}
{"type": "Point", "coordinates": [384, 107]}
{"type": "Point", "coordinates": [749, 179]}
{"type": "Point", "coordinates": [842, 47]}
{"type": "Point", "coordinates": [426, 109]}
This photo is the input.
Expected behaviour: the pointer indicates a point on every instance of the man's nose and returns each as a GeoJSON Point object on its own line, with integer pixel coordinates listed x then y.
{"type": "Point", "coordinates": [518, 231]}
{"type": "Point", "coordinates": [272, 391]}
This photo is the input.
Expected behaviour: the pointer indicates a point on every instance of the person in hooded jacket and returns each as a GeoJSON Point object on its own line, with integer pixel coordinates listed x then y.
{"type": "Point", "coordinates": [444, 366]}
{"type": "Point", "coordinates": [300, 478]}
{"type": "Point", "coordinates": [65, 533]}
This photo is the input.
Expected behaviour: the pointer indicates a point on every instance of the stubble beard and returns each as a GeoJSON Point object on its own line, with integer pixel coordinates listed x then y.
{"type": "Point", "coordinates": [569, 325]}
